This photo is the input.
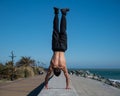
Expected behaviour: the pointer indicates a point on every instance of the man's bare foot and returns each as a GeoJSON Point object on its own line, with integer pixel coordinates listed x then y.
{"type": "Point", "coordinates": [67, 88]}
{"type": "Point", "coordinates": [46, 87]}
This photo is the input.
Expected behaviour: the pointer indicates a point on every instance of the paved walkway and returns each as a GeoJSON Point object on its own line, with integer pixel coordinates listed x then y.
{"type": "Point", "coordinates": [80, 86]}
{"type": "Point", "coordinates": [57, 88]}
{"type": "Point", "coordinates": [89, 87]}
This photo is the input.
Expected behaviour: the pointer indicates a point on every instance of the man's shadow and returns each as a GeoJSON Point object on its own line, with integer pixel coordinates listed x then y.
{"type": "Point", "coordinates": [38, 89]}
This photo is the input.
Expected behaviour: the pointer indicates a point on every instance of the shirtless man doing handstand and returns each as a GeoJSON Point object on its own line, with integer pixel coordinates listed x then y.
{"type": "Point", "coordinates": [59, 46]}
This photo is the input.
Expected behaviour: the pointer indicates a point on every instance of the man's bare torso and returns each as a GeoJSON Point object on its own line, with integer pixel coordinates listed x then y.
{"type": "Point", "coordinates": [58, 60]}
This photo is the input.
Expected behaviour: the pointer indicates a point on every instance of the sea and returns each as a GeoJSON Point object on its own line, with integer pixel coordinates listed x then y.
{"type": "Point", "coordinates": [112, 74]}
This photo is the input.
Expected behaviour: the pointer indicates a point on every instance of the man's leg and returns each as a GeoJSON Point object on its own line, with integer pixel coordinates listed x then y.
{"type": "Point", "coordinates": [63, 34]}
{"type": "Point", "coordinates": [55, 35]}
{"type": "Point", "coordinates": [63, 45]}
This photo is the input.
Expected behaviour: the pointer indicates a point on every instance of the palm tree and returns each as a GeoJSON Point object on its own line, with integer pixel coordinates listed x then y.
{"type": "Point", "coordinates": [25, 61]}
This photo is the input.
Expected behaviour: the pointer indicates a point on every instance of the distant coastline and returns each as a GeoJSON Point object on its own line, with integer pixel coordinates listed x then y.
{"type": "Point", "coordinates": [107, 76]}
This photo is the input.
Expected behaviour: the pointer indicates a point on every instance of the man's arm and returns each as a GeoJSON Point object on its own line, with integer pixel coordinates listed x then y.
{"type": "Point", "coordinates": [67, 78]}
{"type": "Point", "coordinates": [47, 76]}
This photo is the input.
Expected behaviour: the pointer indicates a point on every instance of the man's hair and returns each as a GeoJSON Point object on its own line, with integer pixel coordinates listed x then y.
{"type": "Point", "coordinates": [57, 71]}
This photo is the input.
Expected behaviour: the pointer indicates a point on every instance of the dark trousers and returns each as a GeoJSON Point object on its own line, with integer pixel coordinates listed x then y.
{"type": "Point", "coordinates": [59, 38]}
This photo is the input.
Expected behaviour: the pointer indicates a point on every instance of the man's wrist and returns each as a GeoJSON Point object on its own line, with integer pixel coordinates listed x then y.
{"type": "Point", "coordinates": [46, 86]}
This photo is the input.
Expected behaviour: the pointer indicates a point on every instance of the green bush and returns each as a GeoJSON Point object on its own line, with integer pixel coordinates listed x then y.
{"type": "Point", "coordinates": [20, 73]}
{"type": "Point", "coordinates": [35, 70]}
{"type": "Point", "coordinates": [26, 73]}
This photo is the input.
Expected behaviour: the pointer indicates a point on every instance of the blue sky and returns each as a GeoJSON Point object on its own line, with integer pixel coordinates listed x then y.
{"type": "Point", "coordinates": [93, 28]}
